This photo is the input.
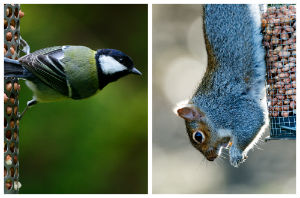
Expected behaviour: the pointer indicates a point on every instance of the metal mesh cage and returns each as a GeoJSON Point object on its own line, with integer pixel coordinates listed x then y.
{"type": "Point", "coordinates": [11, 102]}
{"type": "Point", "coordinates": [279, 31]}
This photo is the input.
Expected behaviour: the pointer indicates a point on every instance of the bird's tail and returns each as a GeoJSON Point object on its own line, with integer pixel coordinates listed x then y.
{"type": "Point", "coordinates": [13, 68]}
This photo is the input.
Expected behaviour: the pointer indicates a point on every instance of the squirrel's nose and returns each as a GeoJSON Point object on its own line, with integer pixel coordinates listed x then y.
{"type": "Point", "coordinates": [211, 154]}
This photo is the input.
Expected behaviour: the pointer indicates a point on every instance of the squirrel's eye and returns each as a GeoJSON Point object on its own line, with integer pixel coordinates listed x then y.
{"type": "Point", "coordinates": [198, 137]}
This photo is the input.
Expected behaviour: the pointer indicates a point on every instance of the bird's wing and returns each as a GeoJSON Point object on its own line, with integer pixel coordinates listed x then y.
{"type": "Point", "coordinates": [45, 64]}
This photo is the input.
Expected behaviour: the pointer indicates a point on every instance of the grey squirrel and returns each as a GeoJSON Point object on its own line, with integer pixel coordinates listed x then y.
{"type": "Point", "coordinates": [229, 107]}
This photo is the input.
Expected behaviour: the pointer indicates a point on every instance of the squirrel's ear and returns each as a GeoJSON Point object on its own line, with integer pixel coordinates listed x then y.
{"type": "Point", "coordinates": [189, 113]}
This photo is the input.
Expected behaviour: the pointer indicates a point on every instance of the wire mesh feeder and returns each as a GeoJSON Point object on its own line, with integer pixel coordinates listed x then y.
{"type": "Point", "coordinates": [11, 102]}
{"type": "Point", "coordinates": [279, 30]}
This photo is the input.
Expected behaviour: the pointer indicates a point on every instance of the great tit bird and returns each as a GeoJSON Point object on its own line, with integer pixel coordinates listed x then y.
{"type": "Point", "coordinates": [63, 72]}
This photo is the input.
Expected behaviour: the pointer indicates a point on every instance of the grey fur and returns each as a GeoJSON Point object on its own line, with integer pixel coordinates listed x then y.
{"type": "Point", "coordinates": [232, 93]}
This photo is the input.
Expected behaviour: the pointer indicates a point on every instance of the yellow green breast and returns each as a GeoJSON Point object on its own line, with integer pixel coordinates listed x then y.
{"type": "Point", "coordinates": [81, 71]}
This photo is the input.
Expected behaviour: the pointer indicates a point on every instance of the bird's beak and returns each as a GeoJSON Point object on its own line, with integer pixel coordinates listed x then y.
{"type": "Point", "coordinates": [135, 71]}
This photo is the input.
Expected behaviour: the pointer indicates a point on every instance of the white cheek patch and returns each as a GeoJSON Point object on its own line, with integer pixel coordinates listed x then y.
{"type": "Point", "coordinates": [109, 65]}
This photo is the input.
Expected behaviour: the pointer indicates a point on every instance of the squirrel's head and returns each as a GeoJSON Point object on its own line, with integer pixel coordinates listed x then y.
{"type": "Point", "coordinates": [203, 136]}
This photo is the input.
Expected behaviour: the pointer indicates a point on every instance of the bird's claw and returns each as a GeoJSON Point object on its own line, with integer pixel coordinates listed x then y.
{"type": "Point", "coordinates": [25, 46]}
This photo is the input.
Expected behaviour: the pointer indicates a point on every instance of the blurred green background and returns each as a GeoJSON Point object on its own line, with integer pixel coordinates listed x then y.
{"type": "Point", "coordinates": [95, 145]}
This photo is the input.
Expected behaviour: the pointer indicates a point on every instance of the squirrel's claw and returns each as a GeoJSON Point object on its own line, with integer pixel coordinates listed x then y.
{"type": "Point", "coordinates": [236, 156]}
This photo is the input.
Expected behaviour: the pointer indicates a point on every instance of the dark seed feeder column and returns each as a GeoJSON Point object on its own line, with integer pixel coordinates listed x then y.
{"type": "Point", "coordinates": [12, 14]}
{"type": "Point", "coordinates": [279, 39]}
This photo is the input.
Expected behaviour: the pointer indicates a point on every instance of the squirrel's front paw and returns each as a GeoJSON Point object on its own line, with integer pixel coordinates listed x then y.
{"type": "Point", "coordinates": [236, 156]}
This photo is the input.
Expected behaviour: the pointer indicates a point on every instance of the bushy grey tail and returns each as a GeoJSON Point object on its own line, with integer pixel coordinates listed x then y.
{"type": "Point", "coordinates": [13, 68]}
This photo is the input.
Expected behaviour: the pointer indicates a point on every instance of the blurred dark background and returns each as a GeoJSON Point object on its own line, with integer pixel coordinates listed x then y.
{"type": "Point", "coordinates": [95, 145]}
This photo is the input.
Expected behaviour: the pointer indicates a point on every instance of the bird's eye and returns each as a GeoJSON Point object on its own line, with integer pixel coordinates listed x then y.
{"type": "Point", "coordinates": [198, 137]}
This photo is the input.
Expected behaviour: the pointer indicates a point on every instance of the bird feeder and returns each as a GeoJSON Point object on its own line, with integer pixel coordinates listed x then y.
{"type": "Point", "coordinates": [11, 102]}
{"type": "Point", "coordinates": [279, 40]}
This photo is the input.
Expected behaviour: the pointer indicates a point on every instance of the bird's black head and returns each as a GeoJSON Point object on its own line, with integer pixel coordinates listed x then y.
{"type": "Point", "coordinates": [113, 64]}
